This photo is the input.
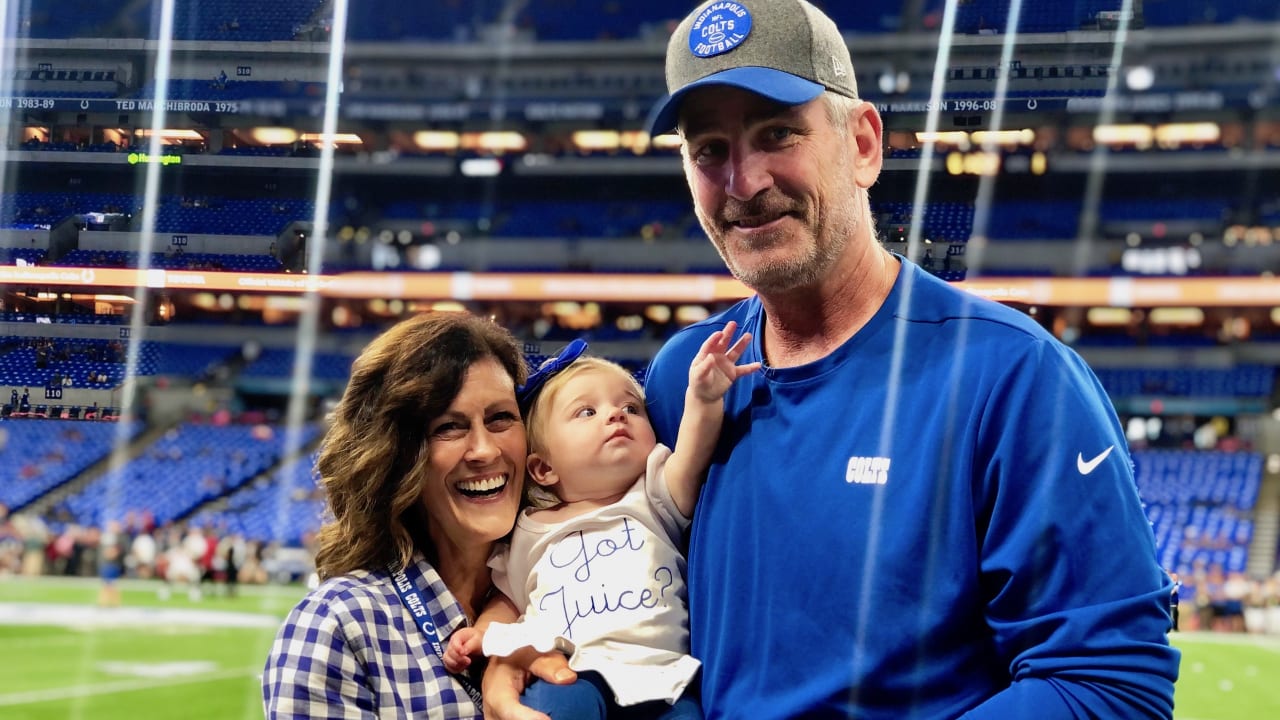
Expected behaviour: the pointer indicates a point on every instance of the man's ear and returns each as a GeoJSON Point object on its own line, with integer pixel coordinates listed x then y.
{"type": "Point", "coordinates": [866, 133]}
{"type": "Point", "coordinates": [540, 470]}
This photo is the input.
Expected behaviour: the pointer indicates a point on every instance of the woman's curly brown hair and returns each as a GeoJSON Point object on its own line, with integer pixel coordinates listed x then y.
{"type": "Point", "coordinates": [373, 457]}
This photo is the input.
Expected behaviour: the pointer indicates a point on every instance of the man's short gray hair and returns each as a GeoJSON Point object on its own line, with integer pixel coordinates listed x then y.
{"type": "Point", "coordinates": [839, 108]}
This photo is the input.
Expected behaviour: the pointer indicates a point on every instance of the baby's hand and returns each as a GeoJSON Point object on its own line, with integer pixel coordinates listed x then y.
{"type": "Point", "coordinates": [463, 645]}
{"type": "Point", "coordinates": [715, 367]}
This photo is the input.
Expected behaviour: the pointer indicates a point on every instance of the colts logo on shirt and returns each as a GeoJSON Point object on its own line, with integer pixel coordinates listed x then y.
{"type": "Point", "coordinates": [718, 29]}
{"type": "Point", "coordinates": [867, 470]}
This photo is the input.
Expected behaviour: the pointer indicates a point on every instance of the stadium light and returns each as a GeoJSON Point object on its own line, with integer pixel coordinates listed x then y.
{"type": "Point", "coordinates": [957, 138]}
{"type": "Point", "coordinates": [480, 167]}
{"type": "Point", "coordinates": [1039, 163]}
{"type": "Point", "coordinates": [495, 141]}
{"type": "Point", "coordinates": [1013, 138]}
{"type": "Point", "coordinates": [637, 141]}
{"type": "Point", "coordinates": [336, 138]}
{"type": "Point", "coordinates": [629, 323]}
{"type": "Point", "coordinates": [1137, 135]}
{"type": "Point", "coordinates": [981, 163]}
{"type": "Point", "coordinates": [688, 314]}
{"type": "Point", "coordinates": [1139, 78]}
{"type": "Point", "coordinates": [974, 163]}
{"type": "Point", "coordinates": [594, 140]}
{"type": "Point", "coordinates": [667, 142]}
{"type": "Point", "coordinates": [1171, 135]}
{"type": "Point", "coordinates": [1182, 316]}
{"type": "Point", "coordinates": [170, 134]}
{"type": "Point", "coordinates": [886, 82]}
{"type": "Point", "coordinates": [658, 313]}
{"type": "Point", "coordinates": [274, 135]}
{"type": "Point", "coordinates": [436, 140]}
{"type": "Point", "coordinates": [1109, 316]}
{"type": "Point", "coordinates": [447, 306]}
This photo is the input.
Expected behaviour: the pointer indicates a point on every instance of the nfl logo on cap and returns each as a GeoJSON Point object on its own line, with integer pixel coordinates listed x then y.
{"type": "Point", "coordinates": [719, 28]}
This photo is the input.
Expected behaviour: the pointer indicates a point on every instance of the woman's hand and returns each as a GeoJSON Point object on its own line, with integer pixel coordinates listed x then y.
{"type": "Point", "coordinates": [506, 678]}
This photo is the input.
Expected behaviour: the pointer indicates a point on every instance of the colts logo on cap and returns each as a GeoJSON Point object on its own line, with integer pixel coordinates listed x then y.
{"type": "Point", "coordinates": [718, 29]}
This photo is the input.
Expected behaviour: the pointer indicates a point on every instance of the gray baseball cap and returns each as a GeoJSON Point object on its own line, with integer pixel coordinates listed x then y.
{"type": "Point", "coordinates": [785, 50]}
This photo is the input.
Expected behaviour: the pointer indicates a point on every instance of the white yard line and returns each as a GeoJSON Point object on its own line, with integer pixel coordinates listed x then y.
{"type": "Point", "coordinates": [43, 642]}
{"type": "Point", "coordinates": [1270, 643]}
{"type": "Point", "coordinates": [117, 686]}
{"type": "Point", "coordinates": [75, 616]}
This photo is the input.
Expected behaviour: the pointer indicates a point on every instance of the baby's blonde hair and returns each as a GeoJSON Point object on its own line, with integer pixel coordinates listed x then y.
{"type": "Point", "coordinates": [536, 419]}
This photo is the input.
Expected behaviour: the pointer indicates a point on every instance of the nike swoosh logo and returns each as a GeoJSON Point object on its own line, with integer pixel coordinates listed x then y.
{"type": "Point", "coordinates": [1087, 466]}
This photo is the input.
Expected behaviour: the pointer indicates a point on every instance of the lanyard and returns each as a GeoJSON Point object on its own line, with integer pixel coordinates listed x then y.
{"type": "Point", "coordinates": [417, 607]}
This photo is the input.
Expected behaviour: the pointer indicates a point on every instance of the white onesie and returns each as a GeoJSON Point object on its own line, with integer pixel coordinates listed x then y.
{"type": "Point", "coordinates": [610, 581]}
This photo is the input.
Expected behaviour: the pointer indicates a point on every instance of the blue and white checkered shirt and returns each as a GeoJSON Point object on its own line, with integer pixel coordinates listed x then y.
{"type": "Point", "coordinates": [350, 649]}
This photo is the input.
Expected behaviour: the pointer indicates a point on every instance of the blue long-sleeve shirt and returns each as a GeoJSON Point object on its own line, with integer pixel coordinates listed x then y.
{"type": "Point", "coordinates": [938, 519]}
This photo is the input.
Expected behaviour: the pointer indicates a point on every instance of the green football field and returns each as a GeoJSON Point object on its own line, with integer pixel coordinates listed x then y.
{"type": "Point", "coordinates": [61, 658]}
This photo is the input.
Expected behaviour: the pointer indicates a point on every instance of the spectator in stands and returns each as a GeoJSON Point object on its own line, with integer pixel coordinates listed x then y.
{"type": "Point", "coordinates": [923, 506]}
{"type": "Point", "coordinates": [68, 549]}
{"type": "Point", "coordinates": [142, 555]}
{"type": "Point", "coordinates": [35, 541]}
{"type": "Point", "coordinates": [423, 469]}
{"type": "Point", "coordinates": [11, 543]}
{"type": "Point", "coordinates": [232, 551]}
{"type": "Point", "coordinates": [181, 566]}
{"type": "Point", "coordinates": [1234, 591]}
{"type": "Point", "coordinates": [253, 572]}
{"type": "Point", "coordinates": [208, 561]}
{"type": "Point", "coordinates": [110, 564]}
{"type": "Point", "coordinates": [606, 478]}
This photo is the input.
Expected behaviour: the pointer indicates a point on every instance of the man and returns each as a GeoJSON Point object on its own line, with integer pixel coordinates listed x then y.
{"type": "Point", "coordinates": [922, 506]}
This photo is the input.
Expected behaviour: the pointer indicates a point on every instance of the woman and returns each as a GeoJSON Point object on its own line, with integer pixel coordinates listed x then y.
{"type": "Point", "coordinates": [423, 468]}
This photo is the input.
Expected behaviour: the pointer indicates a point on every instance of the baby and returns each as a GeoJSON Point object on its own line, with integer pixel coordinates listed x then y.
{"type": "Point", "coordinates": [596, 572]}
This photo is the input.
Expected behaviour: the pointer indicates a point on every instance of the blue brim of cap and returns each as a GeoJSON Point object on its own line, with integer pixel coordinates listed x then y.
{"type": "Point", "coordinates": [774, 84]}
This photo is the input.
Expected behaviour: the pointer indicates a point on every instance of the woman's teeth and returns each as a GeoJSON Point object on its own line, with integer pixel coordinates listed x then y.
{"type": "Point", "coordinates": [486, 486]}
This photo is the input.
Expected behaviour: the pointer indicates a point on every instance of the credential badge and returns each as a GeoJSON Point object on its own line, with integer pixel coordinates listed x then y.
{"type": "Point", "coordinates": [718, 29]}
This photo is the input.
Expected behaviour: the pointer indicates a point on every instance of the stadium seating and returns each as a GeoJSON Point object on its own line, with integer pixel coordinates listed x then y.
{"type": "Point", "coordinates": [28, 256]}
{"type": "Point", "coordinates": [68, 18]}
{"type": "Point", "coordinates": [940, 221]}
{"type": "Point", "coordinates": [1042, 219]}
{"type": "Point", "coordinates": [231, 216]}
{"type": "Point", "coordinates": [283, 507]}
{"type": "Point", "coordinates": [1178, 13]}
{"type": "Point", "coordinates": [448, 20]}
{"type": "Point", "coordinates": [1242, 381]}
{"type": "Point", "coordinates": [279, 362]}
{"type": "Point", "coordinates": [190, 465]}
{"type": "Point", "coordinates": [229, 90]}
{"type": "Point", "coordinates": [86, 361]}
{"type": "Point", "coordinates": [37, 456]}
{"type": "Point", "coordinates": [21, 209]}
{"type": "Point", "coordinates": [1200, 505]}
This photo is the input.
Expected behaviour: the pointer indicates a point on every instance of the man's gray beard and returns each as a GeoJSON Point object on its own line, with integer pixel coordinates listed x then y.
{"type": "Point", "coordinates": [805, 271]}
